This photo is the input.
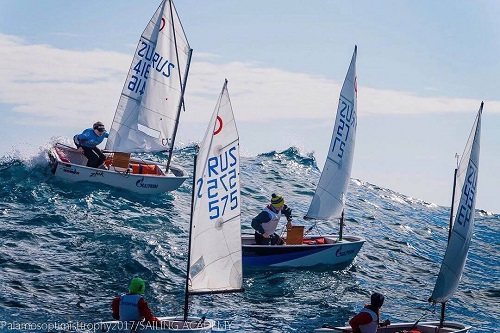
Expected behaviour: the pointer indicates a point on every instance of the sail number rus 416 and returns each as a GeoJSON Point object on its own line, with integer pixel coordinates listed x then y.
{"type": "Point", "coordinates": [148, 58]}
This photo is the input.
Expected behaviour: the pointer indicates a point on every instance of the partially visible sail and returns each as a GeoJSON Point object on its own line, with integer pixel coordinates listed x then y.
{"type": "Point", "coordinates": [147, 111]}
{"type": "Point", "coordinates": [327, 201]}
{"type": "Point", "coordinates": [463, 218]}
{"type": "Point", "coordinates": [215, 255]}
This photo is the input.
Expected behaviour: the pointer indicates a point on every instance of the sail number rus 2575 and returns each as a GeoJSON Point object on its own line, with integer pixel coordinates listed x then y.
{"type": "Point", "coordinates": [220, 180]}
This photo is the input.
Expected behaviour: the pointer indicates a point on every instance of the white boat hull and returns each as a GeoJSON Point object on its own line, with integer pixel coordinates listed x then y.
{"type": "Point", "coordinates": [423, 327]}
{"type": "Point", "coordinates": [70, 165]}
{"type": "Point", "coordinates": [337, 254]}
{"type": "Point", "coordinates": [166, 325]}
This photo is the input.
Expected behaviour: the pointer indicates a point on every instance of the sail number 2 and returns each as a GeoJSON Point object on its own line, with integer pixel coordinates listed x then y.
{"type": "Point", "coordinates": [347, 120]}
{"type": "Point", "coordinates": [220, 181]}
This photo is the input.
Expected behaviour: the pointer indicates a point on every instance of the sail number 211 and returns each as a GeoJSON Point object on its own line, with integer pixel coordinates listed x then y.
{"type": "Point", "coordinates": [346, 120]}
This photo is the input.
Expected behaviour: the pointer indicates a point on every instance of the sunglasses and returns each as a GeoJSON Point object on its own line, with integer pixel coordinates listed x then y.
{"type": "Point", "coordinates": [100, 129]}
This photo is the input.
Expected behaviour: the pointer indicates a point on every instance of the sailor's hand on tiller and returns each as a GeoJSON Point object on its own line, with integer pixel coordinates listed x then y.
{"type": "Point", "coordinates": [265, 235]}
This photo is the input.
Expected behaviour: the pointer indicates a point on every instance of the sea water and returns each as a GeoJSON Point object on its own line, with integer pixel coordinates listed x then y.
{"type": "Point", "coordinates": [67, 249]}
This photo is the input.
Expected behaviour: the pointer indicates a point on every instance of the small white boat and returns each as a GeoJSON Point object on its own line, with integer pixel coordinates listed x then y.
{"type": "Point", "coordinates": [140, 176]}
{"type": "Point", "coordinates": [327, 203]}
{"type": "Point", "coordinates": [147, 115]}
{"type": "Point", "coordinates": [214, 254]}
{"type": "Point", "coordinates": [420, 327]}
{"type": "Point", "coordinates": [460, 233]}
{"type": "Point", "coordinates": [214, 259]}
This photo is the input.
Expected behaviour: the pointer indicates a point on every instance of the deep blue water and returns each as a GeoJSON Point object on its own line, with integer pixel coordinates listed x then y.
{"type": "Point", "coordinates": [66, 250]}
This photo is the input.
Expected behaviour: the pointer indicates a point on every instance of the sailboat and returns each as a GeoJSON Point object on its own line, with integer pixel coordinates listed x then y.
{"type": "Point", "coordinates": [215, 262]}
{"type": "Point", "coordinates": [463, 205]}
{"type": "Point", "coordinates": [147, 115]}
{"type": "Point", "coordinates": [327, 202]}
{"type": "Point", "coordinates": [214, 256]}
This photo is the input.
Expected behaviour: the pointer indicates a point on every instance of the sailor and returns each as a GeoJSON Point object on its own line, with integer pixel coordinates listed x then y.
{"type": "Point", "coordinates": [266, 222]}
{"type": "Point", "coordinates": [87, 143]}
{"type": "Point", "coordinates": [367, 320]}
{"type": "Point", "coordinates": [132, 306]}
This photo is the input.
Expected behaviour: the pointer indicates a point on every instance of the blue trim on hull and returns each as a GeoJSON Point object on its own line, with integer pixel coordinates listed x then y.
{"type": "Point", "coordinates": [261, 257]}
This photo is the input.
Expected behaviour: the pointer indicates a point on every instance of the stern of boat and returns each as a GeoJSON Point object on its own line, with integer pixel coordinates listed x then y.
{"type": "Point", "coordinates": [178, 171]}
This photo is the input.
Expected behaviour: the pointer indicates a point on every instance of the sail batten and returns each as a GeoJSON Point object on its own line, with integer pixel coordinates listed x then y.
{"type": "Point", "coordinates": [216, 255]}
{"type": "Point", "coordinates": [327, 200]}
{"type": "Point", "coordinates": [463, 218]}
{"type": "Point", "coordinates": [333, 161]}
{"type": "Point", "coordinates": [146, 114]}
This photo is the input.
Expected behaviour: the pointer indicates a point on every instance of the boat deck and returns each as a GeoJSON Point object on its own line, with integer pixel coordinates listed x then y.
{"type": "Point", "coordinates": [424, 327]}
{"type": "Point", "coordinates": [136, 166]}
{"type": "Point", "coordinates": [308, 240]}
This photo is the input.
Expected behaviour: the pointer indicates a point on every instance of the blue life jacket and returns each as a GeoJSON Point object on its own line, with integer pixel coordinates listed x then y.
{"type": "Point", "coordinates": [129, 307]}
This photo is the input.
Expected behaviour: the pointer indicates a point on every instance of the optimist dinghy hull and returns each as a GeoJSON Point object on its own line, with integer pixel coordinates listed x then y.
{"type": "Point", "coordinates": [337, 254]}
{"type": "Point", "coordinates": [422, 327]}
{"type": "Point", "coordinates": [144, 177]}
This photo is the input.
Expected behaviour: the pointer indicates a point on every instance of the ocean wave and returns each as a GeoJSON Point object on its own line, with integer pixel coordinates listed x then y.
{"type": "Point", "coordinates": [67, 249]}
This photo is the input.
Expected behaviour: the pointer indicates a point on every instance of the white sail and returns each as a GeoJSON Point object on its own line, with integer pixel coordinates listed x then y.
{"type": "Point", "coordinates": [147, 111]}
{"type": "Point", "coordinates": [215, 254]}
{"type": "Point", "coordinates": [327, 201]}
{"type": "Point", "coordinates": [463, 218]}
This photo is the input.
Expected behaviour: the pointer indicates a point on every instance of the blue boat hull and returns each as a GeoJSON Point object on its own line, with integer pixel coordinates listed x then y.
{"type": "Point", "coordinates": [337, 254]}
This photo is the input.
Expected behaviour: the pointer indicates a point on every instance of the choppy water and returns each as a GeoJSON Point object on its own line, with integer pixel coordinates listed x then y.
{"type": "Point", "coordinates": [66, 250]}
